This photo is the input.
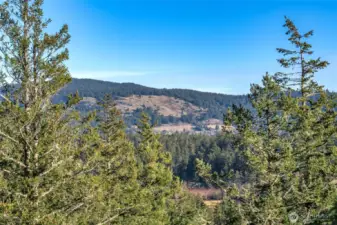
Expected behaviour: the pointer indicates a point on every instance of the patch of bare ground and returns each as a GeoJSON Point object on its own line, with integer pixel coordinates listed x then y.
{"type": "Point", "coordinates": [89, 100]}
{"type": "Point", "coordinates": [206, 193]}
{"type": "Point", "coordinates": [181, 127]}
{"type": "Point", "coordinates": [211, 196]}
{"type": "Point", "coordinates": [212, 203]}
{"type": "Point", "coordinates": [166, 106]}
{"type": "Point", "coordinates": [213, 124]}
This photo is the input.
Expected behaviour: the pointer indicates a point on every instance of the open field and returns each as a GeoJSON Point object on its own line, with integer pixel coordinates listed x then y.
{"type": "Point", "coordinates": [212, 203]}
{"type": "Point", "coordinates": [183, 127]}
{"type": "Point", "coordinates": [166, 106]}
{"type": "Point", "coordinates": [206, 193]}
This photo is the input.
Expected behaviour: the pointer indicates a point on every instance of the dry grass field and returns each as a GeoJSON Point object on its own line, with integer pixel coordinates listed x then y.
{"type": "Point", "coordinates": [211, 196]}
{"type": "Point", "coordinates": [166, 106]}
{"type": "Point", "coordinates": [182, 127]}
{"type": "Point", "coordinates": [206, 193]}
{"type": "Point", "coordinates": [212, 203]}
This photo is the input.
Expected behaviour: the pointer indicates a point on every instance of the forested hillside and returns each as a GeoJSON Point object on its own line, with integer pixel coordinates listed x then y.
{"type": "Point", "coordinates": [216, 104]}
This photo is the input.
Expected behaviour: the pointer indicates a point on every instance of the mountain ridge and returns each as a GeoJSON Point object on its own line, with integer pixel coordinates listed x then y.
{"type": "Point", "coordinates": [168, 106]}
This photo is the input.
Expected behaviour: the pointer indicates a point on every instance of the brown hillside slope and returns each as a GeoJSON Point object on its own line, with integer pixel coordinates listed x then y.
{"type": "Point", "coordinates": [166, 106]}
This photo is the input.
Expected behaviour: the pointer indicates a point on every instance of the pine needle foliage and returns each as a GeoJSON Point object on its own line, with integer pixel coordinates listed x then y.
{"type": "Point", "coordinates": [289, 142]}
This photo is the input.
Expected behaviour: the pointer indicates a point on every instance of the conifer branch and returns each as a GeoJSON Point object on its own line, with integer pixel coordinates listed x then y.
{"type": "Point", "coordinates": [13, 160]}
{"type": "Point", "coordinates": [9, 137]}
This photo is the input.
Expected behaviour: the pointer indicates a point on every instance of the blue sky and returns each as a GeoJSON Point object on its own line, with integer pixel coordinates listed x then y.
{"type": "Point", "coordinates": [208, 45]}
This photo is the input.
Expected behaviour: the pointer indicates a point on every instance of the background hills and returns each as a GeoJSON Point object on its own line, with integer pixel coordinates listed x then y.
{"type": "Point", "coordinates": [170, 109]}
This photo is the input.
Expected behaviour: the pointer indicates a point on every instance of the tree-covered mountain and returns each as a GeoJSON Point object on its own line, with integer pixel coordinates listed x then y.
{"type": "Point", "coordinates": [215, 103]}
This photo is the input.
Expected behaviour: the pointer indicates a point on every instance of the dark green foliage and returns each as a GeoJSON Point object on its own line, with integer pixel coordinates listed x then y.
{"type": "Point", "coordinates": [333, 214]}
{"type": "Point", "coordinates": [73, 99]}
{"type": "Point", "coordinates": [133, 117]}
{"type": "Point", "coordinates": [189, 210]}
{"type": "Point", "coordinates": [158, 119]}
{"type": "Point", "coordinates": [218, 151]}
{"type": "Point", "coordinates": [228, 213]}
{"type": "Point", "coordinates": [297, 58]}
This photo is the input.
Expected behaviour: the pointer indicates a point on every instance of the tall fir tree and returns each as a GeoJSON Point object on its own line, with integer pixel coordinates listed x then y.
{"type": "Point", "coordinates": [289, 142]}
{"type": "Point", "coordinates": [43, 176]}
{"type": "Point", "coordinates": [155, 175]}
{"type": "Point", "coordinates": [36, 152]}
{"type": "Point", "coordinates": [48, 154]}
{"type": "Point", "coordinates": [114, 182]}
{"type": "Point", "coordinates": [312, 130]}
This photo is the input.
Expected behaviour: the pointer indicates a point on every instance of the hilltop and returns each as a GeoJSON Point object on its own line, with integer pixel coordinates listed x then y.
{"type": "Point", "coordinates": [171, 109]}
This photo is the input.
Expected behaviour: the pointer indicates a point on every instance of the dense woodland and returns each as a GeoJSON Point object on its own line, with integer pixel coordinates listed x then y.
{"type": "Point", "coordinates": [60, 166]}
{"type": "Point", "coordinates": [218, 151]}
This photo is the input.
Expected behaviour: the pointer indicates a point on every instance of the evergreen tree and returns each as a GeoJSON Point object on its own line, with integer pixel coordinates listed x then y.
{"type": "Point", "coordinates": [39, 159]}
{"type": "Point", "coordinates": [168, 202]}
{"type": "Point", "coordinates": [55, 167]}
{"type": "Point", "coordinates": [311, 125]}
{"type": "Point", "coordinates": [155, 176]}
{"type": "Point", "coordinates": [289, 142]}
{"type": "Point", "coordinates": [115, 171]}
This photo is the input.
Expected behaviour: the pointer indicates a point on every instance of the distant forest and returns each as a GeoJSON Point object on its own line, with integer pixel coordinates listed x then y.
{"type": "Point", "coordinates": [218, 151]}
{"type": "Point", "coordinates": [216, 104]}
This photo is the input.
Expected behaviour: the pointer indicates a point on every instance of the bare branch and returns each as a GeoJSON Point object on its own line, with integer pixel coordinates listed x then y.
{"type": "Point", "coordinates": [55, 166]}
{"type": "Point", "coordinates": [9, 137]}
{"type": "Point", "coordinates": [109, 219]}
{"type": "Point", "coordinates": [4, 97]}
{"type": "Point", "coordinates": [75, 208]}
{"type": "Point", "coordinates": [13, 160]}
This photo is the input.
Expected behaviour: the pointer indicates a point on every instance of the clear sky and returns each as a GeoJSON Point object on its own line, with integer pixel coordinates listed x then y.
{"type": "Point", "coordinates": [208, 45]}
